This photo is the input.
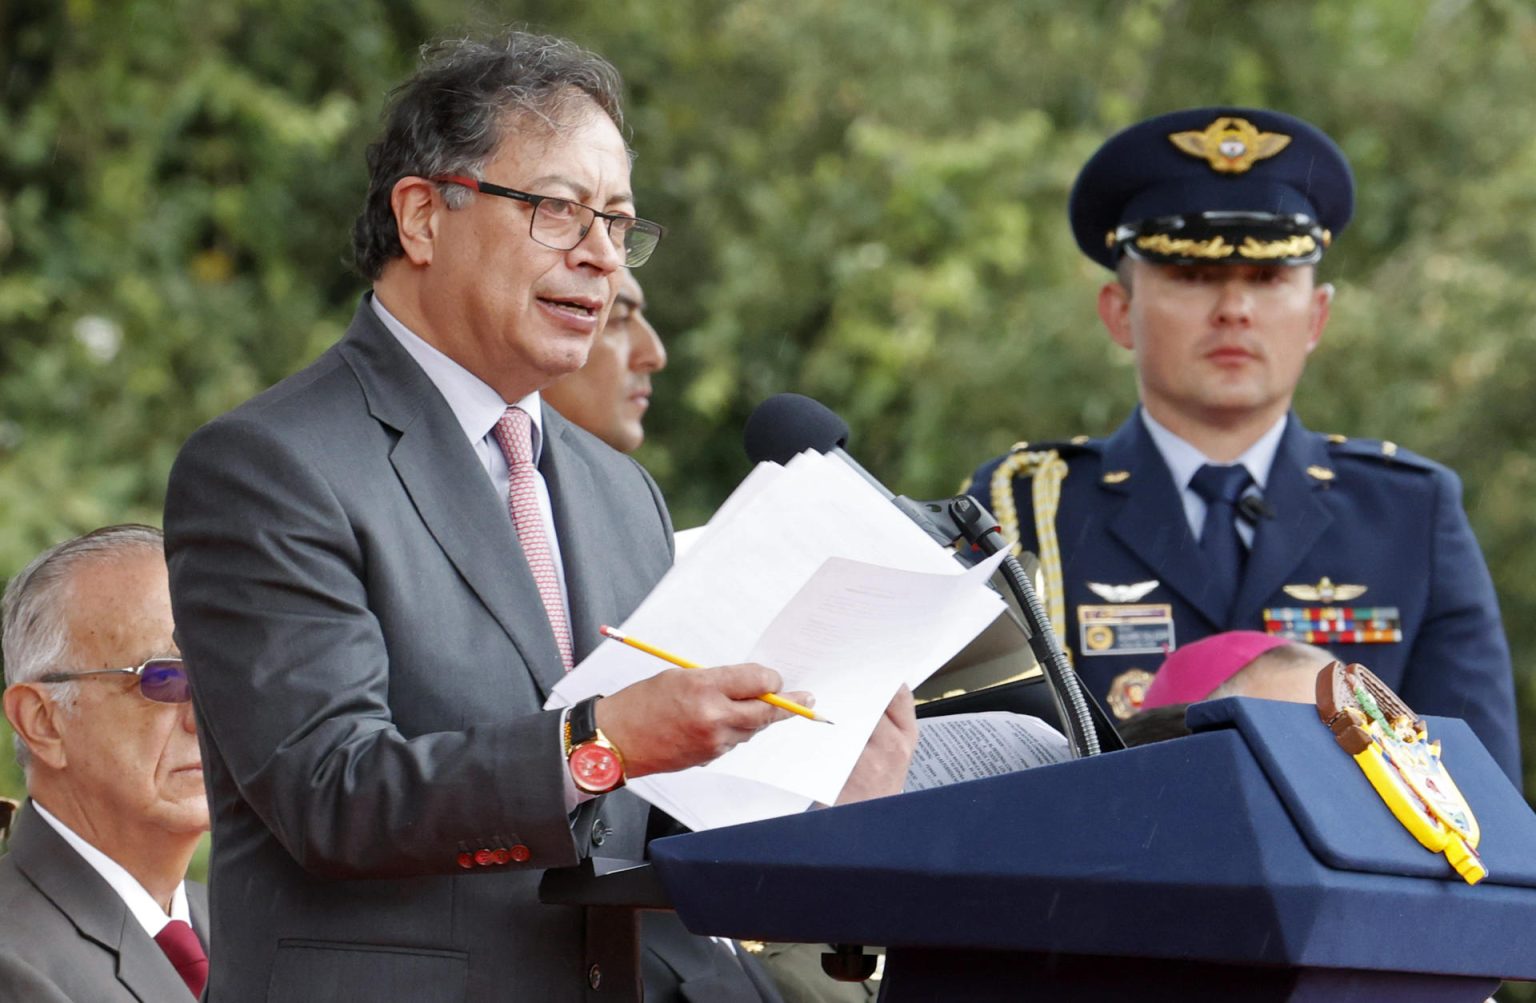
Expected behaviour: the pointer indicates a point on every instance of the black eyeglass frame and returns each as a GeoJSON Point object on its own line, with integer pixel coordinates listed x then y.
{"type": "Point", "coordinates": [633, 257]}
{"type": "Point", "coordinates": [135, 671]}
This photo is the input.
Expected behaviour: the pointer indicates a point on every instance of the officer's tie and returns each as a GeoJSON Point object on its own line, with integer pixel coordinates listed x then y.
{"type": "Point", "coordinates": [1221, 487]}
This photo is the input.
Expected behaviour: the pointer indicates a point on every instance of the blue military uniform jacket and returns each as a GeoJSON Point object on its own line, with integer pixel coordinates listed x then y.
{"type": "Point", "coordinates": [1353, 512]}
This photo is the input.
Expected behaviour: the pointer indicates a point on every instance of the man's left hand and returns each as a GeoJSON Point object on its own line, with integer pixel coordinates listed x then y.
{"type": "Point", "coordinates": [882, 768]}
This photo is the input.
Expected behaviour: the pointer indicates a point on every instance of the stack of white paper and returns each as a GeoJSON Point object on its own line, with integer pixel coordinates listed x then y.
{"type": "Point", "coordinates": [810, 570]}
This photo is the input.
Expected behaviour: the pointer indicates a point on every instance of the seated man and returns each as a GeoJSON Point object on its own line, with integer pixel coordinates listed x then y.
{"type": "Point", "coordinates": [1238, 663]}
{"type": "Point", "coordinates": [1235, 663]}
{"type": "Point", "coordinates": [93, 905]}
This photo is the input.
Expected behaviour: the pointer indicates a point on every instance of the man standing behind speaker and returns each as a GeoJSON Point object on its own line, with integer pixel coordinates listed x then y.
{"type": "Point", "coordinates": [1213, 508]}
{"type": "Point", "coordinates": [609, 397]}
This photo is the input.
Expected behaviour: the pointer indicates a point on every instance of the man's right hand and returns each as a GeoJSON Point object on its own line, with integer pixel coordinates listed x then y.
{"type": "Point", "coordinates": [686, 717]}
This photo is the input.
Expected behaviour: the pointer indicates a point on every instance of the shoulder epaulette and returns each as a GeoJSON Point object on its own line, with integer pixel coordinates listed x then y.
{"type": "Point", "coordinates": [1377, 450]}
{"type": "Point", "coordinates": [1065, 448]}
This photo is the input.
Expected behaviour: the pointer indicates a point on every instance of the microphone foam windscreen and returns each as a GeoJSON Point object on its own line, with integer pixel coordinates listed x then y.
{"type": "Point", "coordinates": [786, 425]}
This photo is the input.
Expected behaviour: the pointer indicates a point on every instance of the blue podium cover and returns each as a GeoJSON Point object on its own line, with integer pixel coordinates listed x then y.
{"type": "Point", "coordinates": [1341, 817]}
{"type": "Point", "coordinates": [1242, 844]}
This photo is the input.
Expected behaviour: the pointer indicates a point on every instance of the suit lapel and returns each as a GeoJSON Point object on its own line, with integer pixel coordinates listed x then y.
{"type": "Point", "coordinates": [450, 491]}
{"type": "Point", "coordinates": [95, 909]}
{"type": "Point", "coordinates": [1300, 517]}
{"type": "Point", "coordinates": [71, 884]}
{"type": "Point", "coordinates": [144, 968]}
{"type": "Point", "coordinates": [1151, 522]}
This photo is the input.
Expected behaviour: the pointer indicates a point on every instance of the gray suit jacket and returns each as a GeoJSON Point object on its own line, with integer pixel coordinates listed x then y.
{"type": "Point", "coordinates": [369, 656]}
{"type": "Point", "coordinates": [65, 935]}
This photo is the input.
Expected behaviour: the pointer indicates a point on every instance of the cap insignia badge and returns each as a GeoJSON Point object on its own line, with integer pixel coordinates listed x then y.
{"type": "Point", "coordinates": [1325, 591]}
{"type": "Point", "coordinates": [1230, 145]}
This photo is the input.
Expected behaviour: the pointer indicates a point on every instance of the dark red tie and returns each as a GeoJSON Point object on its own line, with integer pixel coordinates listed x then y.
{"type": "Point", "coordinates": [185, 951]}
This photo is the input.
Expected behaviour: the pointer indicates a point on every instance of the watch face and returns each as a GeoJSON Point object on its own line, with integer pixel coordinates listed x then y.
{"type": "Point", "coordinates": [595, 768]}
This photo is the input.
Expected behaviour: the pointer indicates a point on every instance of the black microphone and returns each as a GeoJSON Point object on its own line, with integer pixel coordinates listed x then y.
{"type": "Point", "coordinates": [786, 425]}
{"type": "Point", "coordinates": [1253, 508]}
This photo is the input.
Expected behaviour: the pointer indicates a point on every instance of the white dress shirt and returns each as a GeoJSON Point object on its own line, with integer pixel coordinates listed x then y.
{"type": "Point", "coordinates": [1184, 460]}
{"type": "Point", "coordinates": [139, 902]}
{"type": "Point", "coordinates": [478, 408]}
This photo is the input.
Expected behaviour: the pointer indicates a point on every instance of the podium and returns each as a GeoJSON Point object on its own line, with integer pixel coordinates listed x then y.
{"type": "Point", "coordinates": [1250, 861]}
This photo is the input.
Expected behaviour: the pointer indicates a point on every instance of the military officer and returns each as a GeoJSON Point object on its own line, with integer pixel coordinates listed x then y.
{"type": "Point", "coordinates": [1212, 507]}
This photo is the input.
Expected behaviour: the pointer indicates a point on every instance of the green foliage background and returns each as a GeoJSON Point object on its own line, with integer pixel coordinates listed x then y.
{"type": "Point", "coordinates": [865, 202]}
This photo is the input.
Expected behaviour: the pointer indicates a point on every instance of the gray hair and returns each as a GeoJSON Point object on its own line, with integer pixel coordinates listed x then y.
{"type": "Point", "coordinates": [453, 114]}
{"type": "Point", "coordinates": [35, 611]}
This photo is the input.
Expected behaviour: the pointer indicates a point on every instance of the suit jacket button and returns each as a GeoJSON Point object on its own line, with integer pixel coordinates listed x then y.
{"type": "Point", "coordinates": [502, 856]}
{"type": "Point", "coordinates": [466, 860]}
{"type": "Point", "coordinates": [484, 857]}
{"type": "Point", "coordinates": [599, 832]}
{"type": "Point", "coordinates": [595, 976]}
{"type": "Point", "coordinates": [519, 853]}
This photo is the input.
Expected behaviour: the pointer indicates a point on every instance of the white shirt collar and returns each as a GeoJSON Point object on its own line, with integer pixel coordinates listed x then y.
{"type": "Point", "coordinates": [139, 902]}
{"type": "Point", "coordinates": [476, 406]}
{"type": "Point", "coordinates": [1184, 459]}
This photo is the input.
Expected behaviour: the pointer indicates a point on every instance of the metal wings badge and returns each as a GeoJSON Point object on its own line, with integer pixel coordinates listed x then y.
{"type": "Point", "coordinates": [1121, 593]}
{"type": "Point", "coordinates": [1325, 591]}
{"type": "Point", "coordinates": [1392, 748]}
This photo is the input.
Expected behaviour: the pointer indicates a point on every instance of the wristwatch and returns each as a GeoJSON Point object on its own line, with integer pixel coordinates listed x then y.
{"type": "Point", "coordinates": [597, 766]}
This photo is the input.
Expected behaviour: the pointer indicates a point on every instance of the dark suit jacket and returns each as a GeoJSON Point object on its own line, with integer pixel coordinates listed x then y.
{"type": "Point", "coordinates": [1352, 511]}
{"type": "Point", "coordinates": [369, 656]}
{"type": "Point", "coordinates": [682, 967]}
{"type": "Point", "coordinates": [66, 935]}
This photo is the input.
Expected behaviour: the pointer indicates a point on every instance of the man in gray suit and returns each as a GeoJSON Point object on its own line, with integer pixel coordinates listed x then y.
{"type": "Point", "coordinates": [93, 905]}
{"type": "Point", "coordinates": [371, 637]}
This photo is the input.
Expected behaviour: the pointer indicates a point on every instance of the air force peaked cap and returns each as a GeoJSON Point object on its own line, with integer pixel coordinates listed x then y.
{"type": "Point", "coordinates": [1213, 186]}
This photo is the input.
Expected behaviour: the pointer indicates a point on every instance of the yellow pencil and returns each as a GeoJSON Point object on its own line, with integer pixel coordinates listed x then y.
{"type": "Point", "coordinates": [683, 663]}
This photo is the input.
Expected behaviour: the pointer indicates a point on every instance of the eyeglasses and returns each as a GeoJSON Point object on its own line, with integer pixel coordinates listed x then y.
{"type": "Point", "coordinates": [562, 224]}
{"type": "Point", "coordinates": [163, 680]}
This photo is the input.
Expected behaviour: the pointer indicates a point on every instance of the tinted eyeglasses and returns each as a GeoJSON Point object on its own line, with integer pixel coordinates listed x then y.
{"type": "Point", "coordinates": [163, 680]}
{"type": "Point", "coordinates": [562, 224]}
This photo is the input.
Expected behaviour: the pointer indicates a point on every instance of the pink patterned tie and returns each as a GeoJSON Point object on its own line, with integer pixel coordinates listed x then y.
{"type": "Point", "coordinates": [514, 433]}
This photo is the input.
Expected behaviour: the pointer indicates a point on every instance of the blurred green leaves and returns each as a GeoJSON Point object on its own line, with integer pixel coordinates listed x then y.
{"type": "Point", "coordinates": [865, 203]}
